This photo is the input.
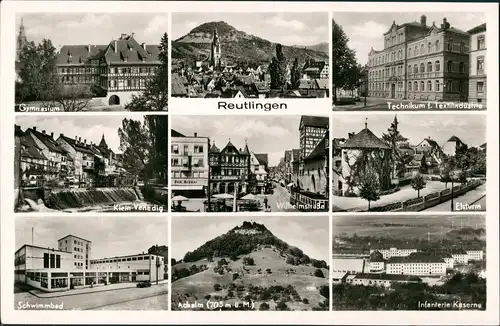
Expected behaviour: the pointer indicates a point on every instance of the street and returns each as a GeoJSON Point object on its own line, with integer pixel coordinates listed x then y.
{"type": "Point", "coordinates": [279, 201]}
{"type": "Point", "coordinates": [475, 199]}
{"type": "Point", "coordinates": [382, 104]}
{"type": "Point", "coordinates": [152, 298]}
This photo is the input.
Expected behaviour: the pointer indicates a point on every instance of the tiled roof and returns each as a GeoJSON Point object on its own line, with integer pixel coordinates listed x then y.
{"type": "Point", "coordinates": [229, 144]}
{"type": "Point", "coordinates": [32, 150]}
{"type": "Point", "coordinates": [246, 150]}
{"type": "Point", "coordinates": [315, 121]}
{"type": "Point", "coordinates": [214, 149]}
{"type": "Point", "coordinates": [47, 141]}
{"type": "Point", "coordinates": [319, 151]}
{"type": "Point", "coordinates": [79, 54]}
{"type": "Point", "coordinates": [477, 29]}
{"type": "Point", "coordinates": [262, 158]}
{"type": "Point", "coordinates": [417, 257]}
{"type": "Point", "coordinates": [175, 133]}
{"type": "Point", "coordinates": [456, 140]}
{"type": "Point", "coordinates": [365, 139]}
{"type": "Point", "coordinates": [76, 145]}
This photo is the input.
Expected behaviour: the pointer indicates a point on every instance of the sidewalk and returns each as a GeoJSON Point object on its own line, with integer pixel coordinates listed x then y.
{"type": "Point", "coordinates": [102, 288]}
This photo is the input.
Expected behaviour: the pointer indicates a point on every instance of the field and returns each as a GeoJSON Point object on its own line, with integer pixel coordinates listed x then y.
{"type": "Point", "coordinates": [403, 226]}
{"type": "Point", "coordinates": [197, 287]}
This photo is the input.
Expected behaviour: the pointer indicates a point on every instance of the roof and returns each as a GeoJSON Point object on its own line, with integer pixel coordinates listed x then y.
{"type": "Point", "coordinates": [214, 149]}
{"type": "Point", "coordinates": [32, 150]}
{"type": "Point", "coordinates": [323, 83]}
{"type": "Point", "coordinates": [456, 139]}
{"type": "Point", "coordinates": [417, 257]}
{"type": "Point", "coordinates": [44, 248]}
{"type": "Point", "coordinates": [477, 29]}
{"type": "Point", "coordinates": [319, 150]}
{"type": "Point", "coordinates": [76, 145]}
{"type": "Point", "coordinates": [79, 54]}
{"type": "Point", "coordinates": [348, 264]}
{"type": "Point", "coordinates": [175, 133]}
{"type": "Point", "coordinates": [365, 139]}
{"type": "Point", "coordinates": [262, 158]}
{"type": "Point", "coordinates": [178, 87]}
{"type": "Point", "coordinates": [338, 275]}
{"type": "Point", "coordinates": [308, 84]}
{"type": "Point", "coordinates": [74, 236]}
{"type": "Point", "coordinates": [47, 140]}
{"type": "Point", "coordinates": [388, 277]}
{"type": "Point", "coordinates": [229, 144]}
{"type": "Point", "coordinates": [315, 121]}
{"type": "Point", "coordinates": [18, 131]}
{"type": "Point", "coordinates": [126, 47]}
{"type": "Point", "coordinates": [314, 65]}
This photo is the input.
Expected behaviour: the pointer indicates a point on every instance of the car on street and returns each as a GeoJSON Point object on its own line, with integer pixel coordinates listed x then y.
{"type": "Point", "coordinates": [143, 284]}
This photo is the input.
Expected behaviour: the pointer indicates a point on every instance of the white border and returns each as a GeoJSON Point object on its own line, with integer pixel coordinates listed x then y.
{"type": "Point", "coordinates": [9, 9]}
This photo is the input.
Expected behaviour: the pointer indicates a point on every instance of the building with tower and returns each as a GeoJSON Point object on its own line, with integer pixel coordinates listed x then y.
{"type": "Point", "coordinates": [215, 51]}
{"type": "Point", "coordinates": [21, 40]}
{"type": "Point", "coordinates": [477, 58]}
{"type": "Point", "coordinates": [421, 62]}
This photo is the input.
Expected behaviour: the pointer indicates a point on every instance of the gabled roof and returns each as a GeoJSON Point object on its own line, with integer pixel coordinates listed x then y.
{"type": "Point", "coordinates": [229, 144]}
{"type": "Point", "coordinates": [246, 150]}
{"type": "Point", "coordinates": [127, 47]}
{"type": "Point", "coordinates": [262, 158]}
{"type": "Point", "coordinates": [314, 121]}
{"type": "Point", "coordinates": [456, 140]}
{"type": "Point", "coordinates": [31, 148]}
{"type": "Point", "coordinates": [417, 257]}
{"type": "Point", "coordinates": [79, 54]}
{"type": "Point", "coordinates": [175, 133]}
{"type": "Point", "coordinates": [365, 139]}
{"type": "Point", "coordinates": [477, 29]}
{"type": "Point", "coordinates": [76, 145]}
{"type": "Point", "coordinates": [214, 149]}
{"type": "Point", "coordinates": [47, 141]}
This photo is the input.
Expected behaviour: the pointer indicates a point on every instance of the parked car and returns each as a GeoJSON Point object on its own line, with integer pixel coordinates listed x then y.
{"type": "Point", "coordinates": [143, 284]}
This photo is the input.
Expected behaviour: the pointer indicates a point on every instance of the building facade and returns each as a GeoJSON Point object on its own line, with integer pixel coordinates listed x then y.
{"type": "Point", "coordinates": [80, 248]}
{"type": "Point", "coordinates": [421, 62]}
{"type": "Point", "coordinates": [121, 69]}
{"type": "Point", "coordinates": [477, 64]}
{"type": "Point", "coordinates": [189, 164]}
{"type": "Point", "coordinates": [229, 169]}
{"type": "Point", "coordinates": [215, 51]}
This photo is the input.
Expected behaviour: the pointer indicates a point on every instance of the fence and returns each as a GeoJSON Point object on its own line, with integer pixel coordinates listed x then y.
{"type": "Point", "coordinates": [307, 203]}
{"type": "Point", "coordinates": [433, 199]}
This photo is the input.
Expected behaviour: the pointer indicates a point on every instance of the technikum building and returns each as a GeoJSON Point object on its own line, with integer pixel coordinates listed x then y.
{"type": "Point", "coordinates": [421, 62]}
{"type": "Point", "coordinates": [71, 267]}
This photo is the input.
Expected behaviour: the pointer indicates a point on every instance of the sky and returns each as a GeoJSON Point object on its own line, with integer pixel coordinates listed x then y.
{"type": "Point", "coordinates": [110, 236]}
{"type": "Point", "coordinates": [285, 28]}
{"type": "Point", "coordinates": [365, 30]}
{"type": "Point", "coordinates": [87, 127]}
{"type": "Point", "coordinates": [93, 28]}
{"type": "Point", "coordinates": [311, 233]}
{"type": "Point", "coordinates": [269, 134]}
{"type": "Point", "coordinates": [470, 128]}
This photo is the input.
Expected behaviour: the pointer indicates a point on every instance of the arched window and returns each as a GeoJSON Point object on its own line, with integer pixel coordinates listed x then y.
{"type": "Point", "coordinates": [422, 48]}
{"type": "Point", "coordinates": [429, 47]}
{"type": "Point", "coordinates": [415, 85]}
{"type": "Point", "coordinates": [436, 85]}
{"type": "Point", "coordinates": [415, 69]}
{"type": "Point", "coordinates": [450, 45]}
{"type": "Point", "coordinates": [416, 50]}
{"type": "Point", "coordinates": [422, 67]}
{"type": "Point", "coordinates": [449, 66]}
{"type": "Point", "coordinates": [429, 86]}
{"type": "Point", "coordinates": [461, 67]}
{"type": "Point", "coordinates": [422, 86]}
{"type": "Point", "coordinates": [438, 66]}
{"type": "Point", "coordinates": [462, 47]}
{"type": "Point", "coordinates": [437, 45]}
{"type": "Point", "coordinates": [409, 86]}
{"type": "Point", "coordinates": [409, 70]}
{"type": "Point", "coordinates": [429, 66]}
{"type": "Point", "coordinates": [409, 52]}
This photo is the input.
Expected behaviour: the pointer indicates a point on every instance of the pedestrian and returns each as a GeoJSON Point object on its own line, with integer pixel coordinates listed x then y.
{"type": "Point", "coordinates": [265, 202]}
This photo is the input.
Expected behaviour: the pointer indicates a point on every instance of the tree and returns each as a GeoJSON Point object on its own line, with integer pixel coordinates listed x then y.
{"type": "Point", "coordinates": [394, 138]}
{"type": "Point", "coordinates": [319, 273]}
{"type": "Point", "coordinates": [418, 183]}
{"type": "Point", "coordinates": [264, 306]}
{"type": "Point", "coordinates": [305, 301]}
{"type": "Point", "coordinates": [295, 74]}
{"type": "Point", "coordinates": [72, 98]}
{"type": "Point", "coordinates": [155, 96]}
{"type": "Point", "coordinates": [277, 69]}
{"type": "Point", "coordinates": [39, 80]}
{"type": "Point", "coordinates": [345, 70]}
{"type": "Point", "coordinates": [281, 306]}
{"type": "Point", "coordinates": [462, 177]}
{"type": "Point", "coordinates": [445, 175]}
{"type": "Point", "coordinates": [369, 189]}
{"type": "Point", "coordinates": [217, 287]}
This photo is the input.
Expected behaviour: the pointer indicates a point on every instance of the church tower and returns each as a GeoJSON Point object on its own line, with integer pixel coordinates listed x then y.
{"type": "Point", "coordinates": [21, 40]}
{"type": "Point", "coordinates": [215, 53]}
{"type": "Point", "coordinates": [103, 144]}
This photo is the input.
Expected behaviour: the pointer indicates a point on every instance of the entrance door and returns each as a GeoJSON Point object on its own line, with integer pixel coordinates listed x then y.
{"type": "Point", "coordinates": [393, 90]}
{"type": "Point", "coordinates": [114, 100]}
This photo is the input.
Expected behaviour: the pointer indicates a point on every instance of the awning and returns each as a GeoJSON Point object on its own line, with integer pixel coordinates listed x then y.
{"type": "Point", "coordinates": [187, 187]}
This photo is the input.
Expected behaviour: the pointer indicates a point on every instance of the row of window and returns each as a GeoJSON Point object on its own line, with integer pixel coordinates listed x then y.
{"type": "Point", "coordinates": [415, 69]}
{"type": "Point", "coordinates": [103, 70]}
{"type": "Point", "coordinates": [415, 86]}
{"type": "Point", "coordinates": [187, 175]}
{"type": "Point", "coordinates": [120, 83]}
{"type": "Point", "coordinates": [51, 260]}
{"type": "Point", "coordinates": [197, 149]}
{"type": "Point", "coordinates": [116, 260]}
{"type": "Point", "coordinates": [195, 162]}
{"type": "Point", "coordinates": [417, 51]}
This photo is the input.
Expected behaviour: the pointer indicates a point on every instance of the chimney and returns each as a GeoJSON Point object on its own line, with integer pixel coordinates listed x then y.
{"type": "Point", "coordinates": [143, 45]}
{"type": "Point", "coordinates": [423, 20]}
{"type": "Point", "coordinates": [89, 48]}
{"type": "Point", "coordinates": [61, 135]}
{"type": "Point", "coordinates": [76, 139]}
{"type": "Point", "coordinates": [34, 128]}
{"type": "Point", "coordinates": [85, 141]}
{"type": "Point", "coordinates": [196, 134]}
{"type": "Point", "coordinates": [132, 35]}
{"type": "Point", "coordinates": [51, 135]}
{"type": "Point", "coordinates": [43, 132]}
{"type": "Point", "coordinates": [79, 139]}
{"type": "Point", "coordinates": [116, 46]}
{"type": "Point", "coordinates": [445, 23]}
{"type": "Point", "coordinates": [123, 36]}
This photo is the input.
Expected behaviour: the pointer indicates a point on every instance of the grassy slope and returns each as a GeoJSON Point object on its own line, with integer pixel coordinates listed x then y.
{"type": "Point", "coordinates": [196, 287]}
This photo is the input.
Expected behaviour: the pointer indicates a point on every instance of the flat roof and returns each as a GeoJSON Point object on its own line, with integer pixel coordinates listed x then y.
{"type": "Point", "coordinates": [126, 256]}
{"type": "Point", "coordinates": [74, 236]}
{"type": "Point", "coordinates": [338, 275]}
{"type": "Point", "coordinates": [389, 277]}
{"type": "Point", "coordinates": [44, 248]}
